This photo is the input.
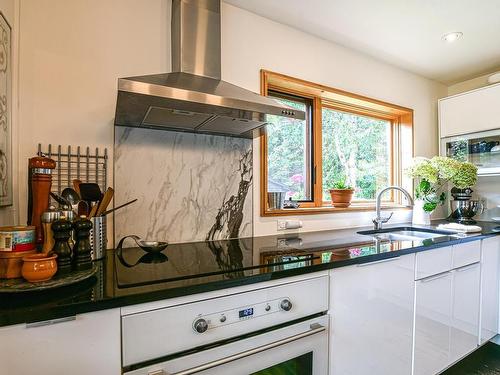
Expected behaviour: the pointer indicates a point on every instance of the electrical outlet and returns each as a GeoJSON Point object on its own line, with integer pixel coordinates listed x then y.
{"type": "Point", "coordinates": [281, 224]}
{"type": "Point", "coordinates": [289, 224]}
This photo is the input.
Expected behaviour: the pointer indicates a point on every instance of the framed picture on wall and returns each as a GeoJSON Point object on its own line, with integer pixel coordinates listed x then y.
{"type": "Point", "coordinates": [5, 113]}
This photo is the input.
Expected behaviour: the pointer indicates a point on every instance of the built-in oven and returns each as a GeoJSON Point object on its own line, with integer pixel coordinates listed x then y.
{"type": "Point", "coordinates": [283, 329]}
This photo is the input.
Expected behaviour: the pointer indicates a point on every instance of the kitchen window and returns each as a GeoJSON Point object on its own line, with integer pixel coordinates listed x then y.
{"type": "Point", "coordinates": [345, 136]}
{"type": "Point", "coordinates": [289, 150]}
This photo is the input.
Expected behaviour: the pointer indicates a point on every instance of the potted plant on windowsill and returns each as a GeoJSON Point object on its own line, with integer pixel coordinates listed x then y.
{"type": "Point", "coordinates": [341, 194]}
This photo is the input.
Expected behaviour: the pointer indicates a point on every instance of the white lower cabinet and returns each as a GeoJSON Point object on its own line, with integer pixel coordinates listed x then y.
{"type": "Point", "coordinates": [447, 309]}
{"type": "Point", "coordinates": [490, 288]}
{"type": "Point", "coordinates": [433, 308]}
{"type": "Point", "coordinates": [81, 345]}
{"type": "Point", "coordinates": [372, 317]}
{"type": "Point", "coordinates": [465, 311]}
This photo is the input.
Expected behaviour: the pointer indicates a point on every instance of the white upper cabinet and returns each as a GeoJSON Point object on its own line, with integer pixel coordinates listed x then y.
{"type": "Point", "coordinates": [470, 112]}
{"type": "Point", "coordinates": [372, 317]}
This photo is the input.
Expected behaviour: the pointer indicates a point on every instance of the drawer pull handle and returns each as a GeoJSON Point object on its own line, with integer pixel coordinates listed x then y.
{"type": "Point", "coordinates": [50, 322]}
{"type": "Point", "coordinates": [434, 277]}
{"type": "Point", "coordinates": [465, 268]}
{"type": "Point", "coordinates": [379, 261]}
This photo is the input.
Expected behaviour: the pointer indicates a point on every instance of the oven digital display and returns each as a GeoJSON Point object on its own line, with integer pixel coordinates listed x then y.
{"type": "Point", "coordinates": [247, 312]}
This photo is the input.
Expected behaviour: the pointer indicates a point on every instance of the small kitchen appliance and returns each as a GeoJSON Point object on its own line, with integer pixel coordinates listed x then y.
{"type": "Point", "coordinates": [463, 208]}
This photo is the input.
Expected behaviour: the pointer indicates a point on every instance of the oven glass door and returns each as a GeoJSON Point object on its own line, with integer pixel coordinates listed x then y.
{"type": "Point", "coordinates": [302, 364]}
{"type": "Point", "coordinates": [298, 349]}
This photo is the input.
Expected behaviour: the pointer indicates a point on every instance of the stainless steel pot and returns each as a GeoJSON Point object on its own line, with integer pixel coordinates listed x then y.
{"type": "Point", "coordinates": [466, 209]}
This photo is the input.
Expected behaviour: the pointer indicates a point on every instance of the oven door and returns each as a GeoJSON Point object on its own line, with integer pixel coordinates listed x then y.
{"type": "Point", "coordinates": [298, 349]}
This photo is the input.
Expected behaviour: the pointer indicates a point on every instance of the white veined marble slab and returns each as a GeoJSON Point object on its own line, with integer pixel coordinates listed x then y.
{"type": "Point", "coordinates": [190, 187]}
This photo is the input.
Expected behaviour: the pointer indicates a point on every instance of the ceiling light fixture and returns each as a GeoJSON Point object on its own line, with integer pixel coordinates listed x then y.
{"type": "Point", "coordinates": [453, 36]}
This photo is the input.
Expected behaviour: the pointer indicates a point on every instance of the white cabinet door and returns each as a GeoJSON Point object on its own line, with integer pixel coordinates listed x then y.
{"type": "Point", "coordinates": [432, 262]}
{"type": "Point", "coordinates": [372, 317]}
{"type": "Point", "coordinates": [465, 310]}
{"type": "Point", "coordinates": [432, 350]}
{"type": "Point", "coordinates": [466, 253]}
{"type": "Point", "coordinates": [89, 344]}
{"type": "Point", "coordinates": [490, 287]}
{"type": "Point", "coordinates": [470, 112]}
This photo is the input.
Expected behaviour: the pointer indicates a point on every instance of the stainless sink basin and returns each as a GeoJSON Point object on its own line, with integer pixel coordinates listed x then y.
{"type": "Point", "coordinates": [407, 234]}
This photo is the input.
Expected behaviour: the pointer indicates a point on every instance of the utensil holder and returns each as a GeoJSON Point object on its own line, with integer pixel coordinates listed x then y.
{"type": "Point", "coordinates": [98, 240]}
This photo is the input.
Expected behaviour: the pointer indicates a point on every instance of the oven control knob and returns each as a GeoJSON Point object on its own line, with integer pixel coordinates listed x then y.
{"type": "Point", "coordinates": [200, 325]}
{"type": "Point", "coordinates": [286, 305]}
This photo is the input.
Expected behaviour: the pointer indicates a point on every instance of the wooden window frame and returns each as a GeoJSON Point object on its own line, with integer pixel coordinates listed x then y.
{"type": "Point", "coordinates": [338, 100]}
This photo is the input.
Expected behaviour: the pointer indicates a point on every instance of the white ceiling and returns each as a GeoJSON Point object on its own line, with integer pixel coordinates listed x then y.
{"type": "Point", "coordinates": [405, 33]}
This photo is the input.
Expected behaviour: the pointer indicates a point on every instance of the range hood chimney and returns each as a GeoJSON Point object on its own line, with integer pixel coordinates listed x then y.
{"type": "Point", "coordinates": [194, 98]}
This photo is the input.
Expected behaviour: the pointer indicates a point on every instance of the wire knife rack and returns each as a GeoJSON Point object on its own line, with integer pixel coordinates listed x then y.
{"type": "Point", "coordinates": [82, 164]}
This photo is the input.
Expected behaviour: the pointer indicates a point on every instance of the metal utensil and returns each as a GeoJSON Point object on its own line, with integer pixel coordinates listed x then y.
{"type": "Point", "coordinates": [71, 196]}
{"type": "Point", "coordinates": [146, 245]}
{"type": "Point", "coordinates": [62, 201]}
{"type": "Point", "coordinates": [117, 208]}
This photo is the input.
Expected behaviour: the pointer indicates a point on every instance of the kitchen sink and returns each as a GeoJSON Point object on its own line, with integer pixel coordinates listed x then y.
{"type": "Point", "coordinates": [407, 234]}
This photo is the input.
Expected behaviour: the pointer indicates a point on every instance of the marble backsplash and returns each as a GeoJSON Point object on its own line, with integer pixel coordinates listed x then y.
{"type": "Point", "coordinates": [190, 187]}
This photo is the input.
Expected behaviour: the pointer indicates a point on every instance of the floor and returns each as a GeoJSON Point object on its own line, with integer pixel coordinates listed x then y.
{"type": "Point", "coordinates": [484, 361]}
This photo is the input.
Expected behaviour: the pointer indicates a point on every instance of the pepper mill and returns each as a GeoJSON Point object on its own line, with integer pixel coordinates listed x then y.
{"type": "Point", "coordinates": [48, 217]}
{"type": "Point", "coordinates": [62, 232]}
{"type": "Point", "coordinates": [40, 169]}
{"type": "Point", "coordinates": [81, 252]}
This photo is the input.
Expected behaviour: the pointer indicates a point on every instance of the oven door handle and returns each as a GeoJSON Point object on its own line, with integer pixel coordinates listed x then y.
{"type": "Point", "coordinates": [315, 328]}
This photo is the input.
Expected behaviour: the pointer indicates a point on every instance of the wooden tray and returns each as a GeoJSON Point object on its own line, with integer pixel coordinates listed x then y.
{"type": "Point", "coordinates": [21, 285]}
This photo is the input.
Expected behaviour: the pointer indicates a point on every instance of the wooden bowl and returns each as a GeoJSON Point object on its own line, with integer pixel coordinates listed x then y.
{"type": "Point", "coordinates": [39, 267]}
{"type": "Point", "coordinates": [11, 263]}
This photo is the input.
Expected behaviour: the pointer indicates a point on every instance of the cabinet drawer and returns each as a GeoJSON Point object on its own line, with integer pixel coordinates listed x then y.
{"type": "Point", "coordinates": [466, 253]}
{"type": "Point", "coordinates": [432, 262]}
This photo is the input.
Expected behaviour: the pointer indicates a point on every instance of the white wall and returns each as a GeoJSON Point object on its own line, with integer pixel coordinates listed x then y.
{"type": "Point", "coordinates": [71, 55]}
{"type": "Point", "coordinates": [72, 52]}
{"type": "Point", "coordinates": [9, 8]}
{"type": "Point", "coordinates": [470, 84]}
{"type": "Point", "coordinates": [250, 42]}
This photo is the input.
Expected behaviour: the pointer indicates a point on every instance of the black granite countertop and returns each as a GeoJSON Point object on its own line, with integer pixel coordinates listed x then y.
{"type": "Point", "coordinates": [133, 276]}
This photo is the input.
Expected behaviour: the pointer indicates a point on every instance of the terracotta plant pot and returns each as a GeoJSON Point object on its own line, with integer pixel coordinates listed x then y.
{"type": "Point", "coordinates": [39, 267]}
{"type": "Point", "coordinates": [341, 197]}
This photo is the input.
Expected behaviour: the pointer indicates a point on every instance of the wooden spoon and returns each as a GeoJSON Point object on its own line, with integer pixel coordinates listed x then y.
{"type": "Point", "coordinates": [106, 199]}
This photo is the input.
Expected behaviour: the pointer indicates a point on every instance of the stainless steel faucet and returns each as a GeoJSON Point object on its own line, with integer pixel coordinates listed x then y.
{"type": "Point", "coordinates": [379, 220]}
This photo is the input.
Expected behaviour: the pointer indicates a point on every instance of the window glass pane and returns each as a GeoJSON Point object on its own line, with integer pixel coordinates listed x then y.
{"type": "Point", "coordinates": [357, 149]}
{"type": "Point", "coordinates": [289, 156]}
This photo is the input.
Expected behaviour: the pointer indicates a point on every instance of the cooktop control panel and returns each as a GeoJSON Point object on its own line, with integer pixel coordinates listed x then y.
{"type": "Point", "coordinates": [210, 321]}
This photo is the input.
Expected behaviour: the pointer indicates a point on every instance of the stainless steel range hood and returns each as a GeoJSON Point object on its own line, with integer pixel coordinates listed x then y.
{"type": "Point", "coordinates": [193, 98]}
